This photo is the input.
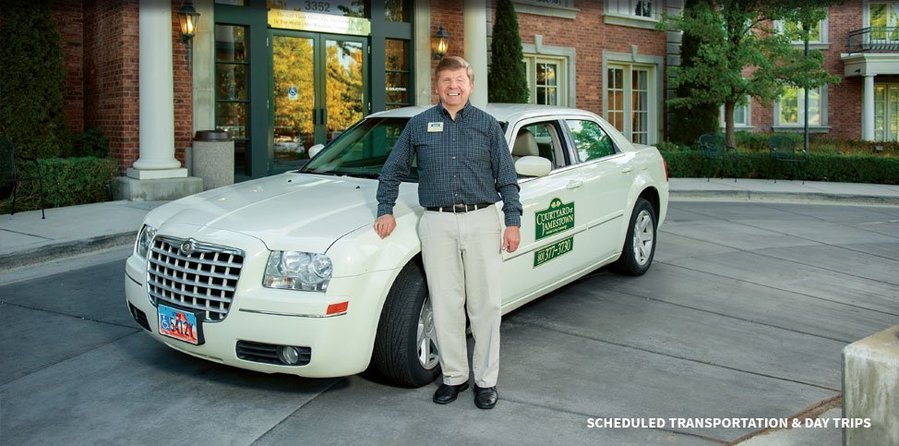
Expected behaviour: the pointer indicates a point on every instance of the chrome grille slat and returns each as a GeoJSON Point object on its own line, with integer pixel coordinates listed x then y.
{"type": "Point", "coordinates": [191, 294]}
{"type": "Point", "coordinates": [188, 305]}
{"type": "Point", "coordinates": [176, 255]}
{"type": "Point", "coordinates": [202, 279]}
{"type": "Point", "coordinates": [199, 272]}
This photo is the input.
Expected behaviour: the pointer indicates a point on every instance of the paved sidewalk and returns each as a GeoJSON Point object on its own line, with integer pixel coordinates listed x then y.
{"type": "Point", "coordinates": [26, 239]}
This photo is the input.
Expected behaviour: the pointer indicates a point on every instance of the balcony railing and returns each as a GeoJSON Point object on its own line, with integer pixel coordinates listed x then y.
{"type": "Point", "coordinates": [873, 38]}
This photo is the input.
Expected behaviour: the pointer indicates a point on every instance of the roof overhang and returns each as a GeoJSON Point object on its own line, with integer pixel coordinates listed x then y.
{"type": "Point", "coordinates": [870, 64]}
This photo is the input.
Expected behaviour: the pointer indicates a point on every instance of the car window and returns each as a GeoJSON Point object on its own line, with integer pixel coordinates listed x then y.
{"type": "Point", "coordinates": [361, 150]}
{"type": "Point", "coordinates": [591, 141]}
{"type": "Point", "coordinates": [540, 139]}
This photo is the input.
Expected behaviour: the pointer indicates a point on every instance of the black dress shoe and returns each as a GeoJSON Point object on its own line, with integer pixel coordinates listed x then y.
{"type": "Point", "coordinates": [447, 394]}
{"type": "Point", "coordinates": [485, 397]}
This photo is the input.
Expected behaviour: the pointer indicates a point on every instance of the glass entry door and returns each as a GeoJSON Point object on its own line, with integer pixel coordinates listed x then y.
{"type": "Point", "coordinates": [318, 91]}
{"type": "Point", "coordinates": [886, 112]}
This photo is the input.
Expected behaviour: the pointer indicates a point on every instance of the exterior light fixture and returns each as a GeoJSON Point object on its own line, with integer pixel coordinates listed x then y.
{"type": "Point", "coordinates": [188, 17]}
{"type": "Point", "coordinates": [439, 43]}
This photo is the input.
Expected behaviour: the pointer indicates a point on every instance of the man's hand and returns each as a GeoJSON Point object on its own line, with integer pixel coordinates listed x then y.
{"type": "Point", "coordinates": [511, 238]}
{"type": "Point", "coordinates": [385, 224]}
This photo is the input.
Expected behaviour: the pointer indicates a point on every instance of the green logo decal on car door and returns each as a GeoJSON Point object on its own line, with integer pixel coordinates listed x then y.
{"type": "Point", "coordinates": [558, 217]}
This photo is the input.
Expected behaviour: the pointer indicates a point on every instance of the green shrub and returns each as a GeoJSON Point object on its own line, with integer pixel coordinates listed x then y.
{"type": "Point", "coordinates": [90, 143]}
{"type": "Point", "coordinates": [668, 146]}
{"type": "Point", "coordinates": [831, 144]}
{"type": "Point", "coordinates": [816, 167]}
{"type": "Point", "coordinates": [67, 182]}
{"type": "Point", "coordinates": [758, 142]}
{"type": "Point", "coordinates": [32, 80]}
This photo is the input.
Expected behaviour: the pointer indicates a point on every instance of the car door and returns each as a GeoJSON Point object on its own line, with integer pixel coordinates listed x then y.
{"type": "Point", "coordinates": [551, 230]}
{"type": "Point", "coordinates": [607, 174]}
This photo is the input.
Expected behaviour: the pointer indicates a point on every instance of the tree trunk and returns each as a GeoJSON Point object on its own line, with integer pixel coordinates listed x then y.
{"type": "Point", "coordinates": [730, 138]}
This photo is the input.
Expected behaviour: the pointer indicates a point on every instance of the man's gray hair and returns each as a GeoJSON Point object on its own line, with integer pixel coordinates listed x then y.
{"type": "Point", "coordinates": [451, 63]}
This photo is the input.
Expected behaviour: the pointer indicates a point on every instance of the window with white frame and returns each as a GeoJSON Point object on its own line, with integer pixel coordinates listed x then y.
{"type": "Point", "coordinates": [742, 117]}
{"type": "Point", "coordinates": [547, 80]}
{"type": "Point", "coordinates": [789, 110]}
{"type": "Point", "coordinates": [630, 101]}
{"type": "Point", "coordinates": [883, 18]}
{"type": "Point", "coordinates": [646, 9]}
{"type": "Point", "coordinates": [793, 30]}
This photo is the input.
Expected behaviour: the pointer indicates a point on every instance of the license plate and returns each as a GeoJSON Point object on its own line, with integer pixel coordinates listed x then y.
{"type": "Point", "coordinates": [179, 324]}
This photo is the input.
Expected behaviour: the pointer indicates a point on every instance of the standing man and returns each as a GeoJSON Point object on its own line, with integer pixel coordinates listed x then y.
{"type": "Point", "coordinates": [464, 167]}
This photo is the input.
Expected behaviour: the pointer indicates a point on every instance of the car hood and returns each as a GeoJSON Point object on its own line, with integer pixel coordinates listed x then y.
{"type": "Point", "coordinates": [288, 211]}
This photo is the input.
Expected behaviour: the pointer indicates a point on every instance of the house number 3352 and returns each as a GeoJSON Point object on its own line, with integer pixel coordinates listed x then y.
{"type": "Point", "coordinates": [317, 6]}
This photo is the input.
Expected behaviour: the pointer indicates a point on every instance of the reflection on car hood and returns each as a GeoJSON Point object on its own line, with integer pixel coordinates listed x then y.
{"type": "Point", "coordinates": [288, 211]}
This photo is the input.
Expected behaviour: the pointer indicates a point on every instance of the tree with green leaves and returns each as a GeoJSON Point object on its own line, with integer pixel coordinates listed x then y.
{"type": "Point", "coordinates": [506, 80]}
{"type": "Point", "coordinates": [688, 121]}
{"type": "Point", "coordinates": [32, 80]}
{"type": "Point", "coordinates": [741, 54]}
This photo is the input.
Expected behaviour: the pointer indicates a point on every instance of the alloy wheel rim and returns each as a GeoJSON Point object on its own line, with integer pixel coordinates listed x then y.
{"type": "Point", "coordinates": [426, 339]}
{"type": "Point", "coordinates": [643, 237]}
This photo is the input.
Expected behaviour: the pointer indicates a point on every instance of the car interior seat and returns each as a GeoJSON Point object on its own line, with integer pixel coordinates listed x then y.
{"type": "Point", "coordinates": [525, 145]}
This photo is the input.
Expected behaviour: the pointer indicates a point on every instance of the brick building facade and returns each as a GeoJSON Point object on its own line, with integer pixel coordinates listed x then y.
{"type": "Point", "coordinates": [606, 57]}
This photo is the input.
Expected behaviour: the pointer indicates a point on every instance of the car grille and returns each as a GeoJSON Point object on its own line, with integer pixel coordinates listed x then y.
{"type": "Point", "coordinates": [193, 276]}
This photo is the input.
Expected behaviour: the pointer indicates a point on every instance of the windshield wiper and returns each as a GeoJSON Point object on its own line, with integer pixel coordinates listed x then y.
{"type": "Point", "coordinates": [372, 175]}
{"type": "Point", "coordinates": [343, 173]}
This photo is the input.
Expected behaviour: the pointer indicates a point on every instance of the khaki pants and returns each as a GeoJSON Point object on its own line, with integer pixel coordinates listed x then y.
{"type": "Point", "coordinates": [462, 260]}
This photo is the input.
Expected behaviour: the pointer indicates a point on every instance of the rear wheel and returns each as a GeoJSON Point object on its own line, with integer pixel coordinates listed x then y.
{"type": "Point", "coordinates": [406, 343]}
{"type": "Point", "coordinates": [639, 244]}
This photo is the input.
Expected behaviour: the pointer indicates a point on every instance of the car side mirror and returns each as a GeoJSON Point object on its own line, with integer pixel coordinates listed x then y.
{"type": "Point", "coordinates": [314, 150]}
{"type": "Point", "coordinates": [533, 166]}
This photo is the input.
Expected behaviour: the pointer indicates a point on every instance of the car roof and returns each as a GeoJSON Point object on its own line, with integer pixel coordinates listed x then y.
{"type": "Point", "coordinates": [502, 112]}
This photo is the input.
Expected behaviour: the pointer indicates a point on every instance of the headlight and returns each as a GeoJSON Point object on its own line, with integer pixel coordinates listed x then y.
{"type": "Point", "coordinates": [144, 240]}
{"type": "Point", "coordinates": [295, 270]}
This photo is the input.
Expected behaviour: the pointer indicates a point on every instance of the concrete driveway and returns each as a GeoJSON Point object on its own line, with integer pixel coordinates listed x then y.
{"type": "Point", "coordinates": [743, 314]}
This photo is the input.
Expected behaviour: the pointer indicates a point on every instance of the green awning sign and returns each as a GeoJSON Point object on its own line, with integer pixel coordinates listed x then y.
{"type": "Point", "coordinates": [558, 217]}
{"type": "Point", "coordinates": [550, 252]}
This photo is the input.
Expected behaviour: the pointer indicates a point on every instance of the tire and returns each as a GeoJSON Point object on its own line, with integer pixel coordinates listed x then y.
{"type": "Point", "coordinates": [405, 351]}
{"type": "Point", "coordinates": [639, 244]}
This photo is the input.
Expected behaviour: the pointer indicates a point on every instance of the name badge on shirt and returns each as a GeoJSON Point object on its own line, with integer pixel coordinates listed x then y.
{"type": "Point", "coordinates": [435, 127]}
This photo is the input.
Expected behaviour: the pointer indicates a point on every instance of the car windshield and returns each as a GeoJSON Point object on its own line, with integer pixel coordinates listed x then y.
{"type": "Point", "coordinates": [362, 150]}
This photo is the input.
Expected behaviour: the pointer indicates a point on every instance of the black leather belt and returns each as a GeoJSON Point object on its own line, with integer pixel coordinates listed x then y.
{"type": "Point", "coordinates": [459, 207]}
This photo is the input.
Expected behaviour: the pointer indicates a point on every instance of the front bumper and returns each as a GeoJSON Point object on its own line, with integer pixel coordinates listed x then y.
{"type": "Point", "coordinates": [340, 345]}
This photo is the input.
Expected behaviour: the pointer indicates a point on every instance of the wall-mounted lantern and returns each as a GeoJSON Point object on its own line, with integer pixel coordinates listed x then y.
{"type": "Point", "coordinates": [440, 43]}
{"type": "Point", "coordinates": [188, 17]}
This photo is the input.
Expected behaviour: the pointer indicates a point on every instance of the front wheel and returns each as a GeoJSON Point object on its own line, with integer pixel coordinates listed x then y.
{"type": "Point", "coordinates": [639, 244]}
{"type": "Point", "coordinates": [406, 343]}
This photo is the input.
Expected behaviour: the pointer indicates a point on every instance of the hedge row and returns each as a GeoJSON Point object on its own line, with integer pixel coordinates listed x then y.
{"type": "Point", "coordinates": [67, 182]}
{"type": "Point", "coordinates": [812, 167]}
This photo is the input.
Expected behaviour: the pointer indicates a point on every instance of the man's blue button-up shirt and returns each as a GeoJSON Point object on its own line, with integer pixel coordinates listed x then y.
{"type": "Point", "coordinates": [461, 161]}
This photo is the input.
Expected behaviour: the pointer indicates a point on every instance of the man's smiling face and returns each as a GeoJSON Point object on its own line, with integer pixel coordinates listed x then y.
{"type": "Point", "coordinates": [454, 88]}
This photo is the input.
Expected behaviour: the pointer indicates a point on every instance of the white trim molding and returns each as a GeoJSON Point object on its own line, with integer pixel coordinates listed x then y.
{"type": "Point", "coordinates": [569, 53]}
{"type": "Point", "coordinates": [561, 8]}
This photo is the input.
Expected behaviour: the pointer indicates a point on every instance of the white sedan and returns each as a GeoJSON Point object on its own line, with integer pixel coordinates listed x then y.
{"type": "Point", "coordinates": [285, 274]}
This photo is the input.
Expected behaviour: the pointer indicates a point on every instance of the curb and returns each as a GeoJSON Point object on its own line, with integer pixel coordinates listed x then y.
{"type": "Point", "coordinates": [61, 250]}
{"type": "Point", "coordinates": [792, 197]}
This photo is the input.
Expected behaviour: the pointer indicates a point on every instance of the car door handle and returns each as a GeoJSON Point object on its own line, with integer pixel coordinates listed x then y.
{"type": "Point", "coordinates": [627, 169]}
{"type": "Point", "coordinates": [574, 184]}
